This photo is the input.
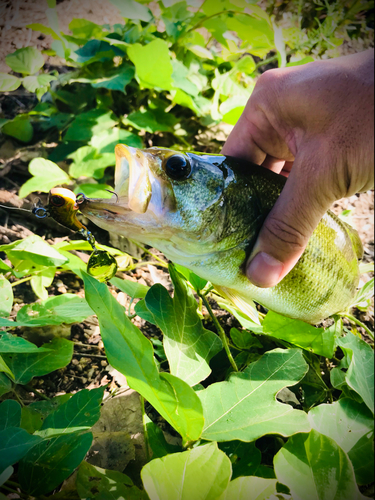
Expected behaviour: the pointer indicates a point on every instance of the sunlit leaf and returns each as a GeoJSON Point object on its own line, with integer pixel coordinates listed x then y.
{"type": "Point", "coordinates": [245, 406]}
{"type": "Point", "coordinates": [27, 60]}
{"type": "Point", "coordinates": [130, 9]}
{"type": "Point", "coordinates": [13, 343]}
{"type": "Point", "coordinates": [8, 82]}
{"type": "Point", "coordinates": [152, 63]}
{"type": "Point", "coordinates": [94, 190]}
{"type": "Point", "coordinates": [89, 163]}
{"type": "Point", "coordinates": [106, 141]}
{"type": "Point", "coordinates": [35, 249]}
{"type": "Point", "coordinates": [314, 464]}
{"type": "Point", "coordinates": [201, 473]}
{"type": "Point", "coordinates": [6, 296]}
{"type": "Point", "coordinates": [258, 487]}
{"type": "Point", "coordinates": [46, 175]}
{"type": "Point", "coordinates": [132, 288]}
{"type": "Point", "coordinates": [131, 353]}
{"type": "Point", "coordinates": [20, 128]}
{"type": "Point", "coordinates": [152, 120]}
{"type": "Point", "coordinates": [32, 83]}
{"type": "Point", "coordinates": [86, 125]}
{"type": "Point", "coordinates": [187, 344]}
{"type": "Point", "coordinates": [41, 281]}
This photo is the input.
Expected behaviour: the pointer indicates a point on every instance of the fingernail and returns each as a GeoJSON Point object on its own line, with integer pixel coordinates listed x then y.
{"type": "Point", "coordinates": [264, 271]}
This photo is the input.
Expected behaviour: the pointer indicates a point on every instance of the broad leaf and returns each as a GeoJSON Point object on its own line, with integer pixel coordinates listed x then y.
{"type": "Point", "coordinates": [132, 288]}
{"type": "Point", "coordinates": [86, 125]}
{"type": "Point", "coordinates": [5, 383]}
{"type": "Point", "coordinates": [106, 141]}
{"type": "Point", "coordinates": [187, 344]}
{"type": "Point", "coordinates": [245, 406]}
{"type": "Point", "coordinates": [46, 175]}
{"type": "Point", "coordinates": [85, 29]}
{"type": "Point", "coordinates": [94, 190]}
{"type": "Point", "coordinates": [360, 375]}
{"type": "Point", "coordinates": [77, 414]}
{"type": "Point", "coordinates": [153, 120]}
{"type": "Point", "coordinates": [318, 340]}
{"type": "Point", "coordinates": [133, 10]}
{"type": "Point", "coordinates": [14, 444]}
{"type": "Point", "coordinates": [10, 414]}
{"type": "Point", "coordinates": [12, 343]}
{"type": "Point", "coordinates": [245, 457]}
{"type": "Point", "coordinates": [8, 82]}
{"type": "Point", "coordinates": [89, 163]}
{"type": "Point", "coordinates": [34, 249]}
{"type": "Point", "coordinates": [20, 128]}
{"type": "Point", "coordinates": [27, 60]}
{"type": "Point", "coordinates": [51, 461]}
{"type": "Point", "coordinates": [156, 440]}
{"type": "Point", "coordinates": [33, 83]}
{"type": "Point", "coordinates": [25, 366]}
{"type": "Point", "coordinates": [102, 484]}
{"type": "Point", "coordinates": [153, 64]}
{"type": "Point", "coordinates": [41, 281]}
{"type": "Point", "coordinates": [131, 353]}
{"type": "Point", "coordinates": [351, 426]}
{"type": "Point", "coordinates": [257, 487]}
{"type": "Point", "coordinates": [5, 368]}
{"type": "Point", "coordinates": [197, 282]}
{"type": "Point", "coordinates": [201, 473]}
{"type": "Point", "coordinates": [314, 467]}
{"type": "Point", "coordinates": [67, 308]}
{"type": "Point", "coordinates": [6, 296]}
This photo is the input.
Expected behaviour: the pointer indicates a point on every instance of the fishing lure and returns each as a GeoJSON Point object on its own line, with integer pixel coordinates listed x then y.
{"type": "Point", "coordinates": [63, 206]}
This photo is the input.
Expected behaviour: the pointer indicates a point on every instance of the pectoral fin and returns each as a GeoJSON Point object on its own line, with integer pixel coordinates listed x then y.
{"type": "Point", "coordinates": [247, 306]}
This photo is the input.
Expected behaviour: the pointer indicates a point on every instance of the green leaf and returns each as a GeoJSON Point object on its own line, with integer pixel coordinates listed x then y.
{"type": "Point", "coordinates": [97, 50]}
{"type": "Point", "coordinates": [46, 175]}
{"type": "Point", "coordinates": [117, 81]}
{"type": "Point", "coordinates": [20, 128]}
{"type": "Point", "coordinates": [132, 288]}
{"type": "Point", "coordinates": [25, 366]}
{"type": "Point", "coordinates": [240, 488]}
{"type": "Point", "coordinates": [188, 346]}
{"type": "Point", "coordinates": [27, 60]}
{"type": "Point", "coordinates": [201, 473]}
{"type": "Point", "coordinates": [197, 282]}
{"type": "Point", "coordinates": [245, 406]}
{"type": "Point", "coordinates": [67, 308]}
{"type": "Point", "coordinates": [152, 120]}
{"type": "Point", "coordinates": [106, 141]}
{"type": "Point", "coordinates": [32, 83]}
{"type": "Point", "coordinates": [89, 163]}
{"type": "Point", "coordinates": [41, 281]}
{"type": "Point", "coordinates": [33, 416]}
{"type": "Point", "coordinates": [180, 78]}
{"type": "Point", "coordinates": [35, 249]}
{"type": "Point", "coordinates": [152, 63]}
{"type": "Point", "coordinates": [318, 340]}
{"type": "Point", "coordinates": [304, 60]}
{"type": "Point", "coordinates": [46, 30]}
{"type": "Point", "coordinates": [314, 464]}
{"type": "Point", "coordinates": [94, 190]}
{"type": "Point", "coordinates": [31, 420]}
{"type": "Point", "coordinates": [6, 296]}
{"type": "Point", "coordinates": [360, 374]}
{"type": "Point", "coordinates": [131, 9]}
{"type": "Point", "coordinates": [86, 125]}
{"type": "Point", "coordinates": [8, 82]}
{"type": "Point", "coordinates": [14, 444]}
{"type": "Point", "coordinates": [131, 353]}
{"type": "Point", "coordinates": [103, 484]}
{"type": "Point", "coordinates": [5, 383]}
{"type": "Point", "coordinates": [244, 339]}
{"type": "Point", "coordinates": [51, 461]}
{"type": "Point", "coordinates": [12, 343]}
{"type": "Point", "coordinates": [364, 295]}
{"type": "Point", "coordinates": [10, 414]}
{"type": "Point", "coordinates": [245, 457]}
{"type": "Point", "coordinates": [350, 425]}
{"type": "Point", "coordinates": [157, 442]}
{"type": "Point", "coordinates": [5, 368]}
{"type": "Point", "coordinates": [78, 414]}
{"type": "Point", "coordinates": [85, 29]}
{"type": "Point", "coordinates": [245, 321]}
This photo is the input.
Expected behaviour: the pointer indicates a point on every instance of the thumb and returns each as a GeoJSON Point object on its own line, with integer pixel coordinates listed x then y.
{"type": "Point", "coordinates": [286, 231]}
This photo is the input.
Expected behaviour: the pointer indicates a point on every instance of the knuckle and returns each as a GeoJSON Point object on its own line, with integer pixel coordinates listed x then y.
{"type": "Point", "coordinates": [278, 231]}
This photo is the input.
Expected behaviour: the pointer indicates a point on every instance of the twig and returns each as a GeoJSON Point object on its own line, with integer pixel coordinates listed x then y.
{"type": "Point", "coordinates": [31, 389]}
{"type": "Point", "coordinates": [359, 323]}
{"type": "Point", "coordinates": [221, 332]}
{"type": "Point", "coordinates": [90, 355]}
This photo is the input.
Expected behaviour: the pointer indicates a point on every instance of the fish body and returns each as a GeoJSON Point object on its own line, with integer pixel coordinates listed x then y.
{"type": "Point", "coordinates": [205, 212]}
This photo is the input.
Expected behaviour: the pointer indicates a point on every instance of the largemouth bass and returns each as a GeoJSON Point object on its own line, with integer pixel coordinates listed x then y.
{"type": "Point", "coordinates": [205, 211]}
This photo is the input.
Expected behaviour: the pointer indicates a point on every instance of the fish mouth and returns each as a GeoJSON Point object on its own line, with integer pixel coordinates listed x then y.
{"type": "Point", "coordinates": [143, 193]}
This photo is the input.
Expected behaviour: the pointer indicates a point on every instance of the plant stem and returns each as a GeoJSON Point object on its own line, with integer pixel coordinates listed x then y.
{"type": "Point", "coordinates": [145, 263]}
{"type": "Point", "coordinates": [23, 280]}
{"type": "Point", "coordinates": [31, 389]}
{"type": "Point", "coordinates": [359, 323]}
{"type": "Point", "coordinates": [145, 433]}
{"type": "Point", "coordinates": [18, 398]}
{"type": "Point", "coordinates": [220, 331]}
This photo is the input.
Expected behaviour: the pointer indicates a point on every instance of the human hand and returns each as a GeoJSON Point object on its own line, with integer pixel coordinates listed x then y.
{"type": "Point", "coordinates": [315, 125]}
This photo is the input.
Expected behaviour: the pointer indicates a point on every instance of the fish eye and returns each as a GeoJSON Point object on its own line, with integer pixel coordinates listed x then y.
{"type": "Point", "coordinates": [177, 167]}
{"type": "Point", "coordinates": [57, 201]}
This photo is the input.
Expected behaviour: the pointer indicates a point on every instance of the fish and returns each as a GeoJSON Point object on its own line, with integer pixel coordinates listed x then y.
{"type": "Point", "coordinates": [204, 212]}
